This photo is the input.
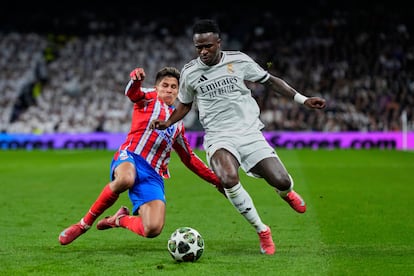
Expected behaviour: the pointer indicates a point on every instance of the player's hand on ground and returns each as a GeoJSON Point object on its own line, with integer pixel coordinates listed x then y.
{"type": "Point", "coordinates": [137, 74]}
{"type": "Point", "coordinates": [158, 124]}
{"type": "Point", "coordinates": [315, 102]}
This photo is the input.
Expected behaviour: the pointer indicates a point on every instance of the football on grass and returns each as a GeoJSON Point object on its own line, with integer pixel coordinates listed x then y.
{"type": "Point", "coordinates": [186, 245]}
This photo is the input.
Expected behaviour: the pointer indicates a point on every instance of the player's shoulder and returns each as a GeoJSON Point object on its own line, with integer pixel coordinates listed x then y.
{"type": "Point", "coordinates": [233, 53]}
{"type": "Point", "coordinates": [236, 56]}
{"type": "Point", "coordinates": [150, 92]}
{"type": "Point", "coordinates": [189, 66]}
{"type": "Point", "coordinates": [148, 89]}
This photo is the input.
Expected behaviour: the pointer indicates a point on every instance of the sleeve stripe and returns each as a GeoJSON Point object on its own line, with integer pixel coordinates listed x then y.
{"type": "Point", "coordinates": [128, 86]}
{"type": "Point", "coordinates": [265, 78]}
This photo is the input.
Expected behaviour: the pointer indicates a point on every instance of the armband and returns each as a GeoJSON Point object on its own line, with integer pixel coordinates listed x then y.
{"type": "Point", "coordinates": [299, 98]}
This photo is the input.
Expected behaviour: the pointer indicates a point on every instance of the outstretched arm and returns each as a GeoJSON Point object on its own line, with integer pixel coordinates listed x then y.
{"type": "Point", "coordinates": [195, 164]}
{"type": "Point", "coordinates": [179, 112]}
{"type": "Point", "coordinates": [280, 86]}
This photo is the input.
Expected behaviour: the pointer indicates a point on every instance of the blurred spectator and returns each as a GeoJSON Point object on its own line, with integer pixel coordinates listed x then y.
{"type": "Point", "coordinates": [69, 75]}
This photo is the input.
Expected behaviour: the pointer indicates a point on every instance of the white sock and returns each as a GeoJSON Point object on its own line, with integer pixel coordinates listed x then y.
{"type": "Point", "coordinates": [242, 201]}
{"type": "Point", "coordinates": [284, 193]}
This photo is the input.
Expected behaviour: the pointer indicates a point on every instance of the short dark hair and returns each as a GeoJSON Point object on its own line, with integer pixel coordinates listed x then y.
{"type": "Point", "coordinates": [206, 26]}
{"type": "Point", "coordinates": [167, 72]}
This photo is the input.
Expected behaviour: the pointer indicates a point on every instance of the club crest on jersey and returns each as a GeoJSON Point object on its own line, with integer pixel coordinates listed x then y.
{"type": "Point", "coordinates": [230, 68]}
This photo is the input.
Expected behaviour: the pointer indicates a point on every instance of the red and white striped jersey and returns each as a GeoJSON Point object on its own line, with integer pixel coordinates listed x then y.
{"type": "Point", "coordinates": [155, 145]}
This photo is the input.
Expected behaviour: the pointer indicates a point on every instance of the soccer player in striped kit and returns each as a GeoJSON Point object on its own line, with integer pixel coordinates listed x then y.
{"type": "Point", "coordinates": [230, 117]}
{"type": "Point", "coordinates": [141, 163]}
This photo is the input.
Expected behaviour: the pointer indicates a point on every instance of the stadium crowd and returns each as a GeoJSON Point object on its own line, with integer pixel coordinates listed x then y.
{"type": "Point", "coordinates": [71, 77]}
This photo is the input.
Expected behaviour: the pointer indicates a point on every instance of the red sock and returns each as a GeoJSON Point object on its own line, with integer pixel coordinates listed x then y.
{"type": "Point", "coordinates": [105, 200]}
{"type": "Point", "coordinates": [133, 224]}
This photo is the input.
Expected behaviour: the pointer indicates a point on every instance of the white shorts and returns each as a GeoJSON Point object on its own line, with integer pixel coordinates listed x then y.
{"type": "Point", "coordinates": [249, 149]}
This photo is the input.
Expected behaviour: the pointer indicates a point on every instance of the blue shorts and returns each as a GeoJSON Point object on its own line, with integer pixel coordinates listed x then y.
{"type": "Point", "coordinates": [148, 186]}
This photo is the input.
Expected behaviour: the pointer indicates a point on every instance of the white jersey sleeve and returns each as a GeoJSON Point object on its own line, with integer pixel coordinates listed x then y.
{"type": "Point", "coordinates": [186, 93]}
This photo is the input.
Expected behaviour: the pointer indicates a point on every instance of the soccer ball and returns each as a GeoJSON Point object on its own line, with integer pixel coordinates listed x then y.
{"type": "Point", "coordinates": [186, 245]}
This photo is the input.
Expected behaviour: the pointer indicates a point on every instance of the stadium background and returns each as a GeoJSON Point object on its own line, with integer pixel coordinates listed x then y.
{"type": "Point", "coordinates": [359, 218]}
{"type": "Point", "coordinates": [65, 65]}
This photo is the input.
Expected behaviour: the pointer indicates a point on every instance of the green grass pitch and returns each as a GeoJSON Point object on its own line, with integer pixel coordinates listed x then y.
{"type": "Point", "coordinates": [359, 220]}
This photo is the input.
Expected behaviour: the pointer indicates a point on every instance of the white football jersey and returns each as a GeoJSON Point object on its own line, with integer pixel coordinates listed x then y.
{"type": "Point", "coordinates": [224, 101]}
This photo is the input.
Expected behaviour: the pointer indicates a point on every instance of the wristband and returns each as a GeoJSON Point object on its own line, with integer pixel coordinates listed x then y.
{"type": "Point", "coordinates": [299, 98]}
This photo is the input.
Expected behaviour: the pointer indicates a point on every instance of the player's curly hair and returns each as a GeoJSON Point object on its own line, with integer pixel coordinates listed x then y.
{"type": "Point", "coordinates": [206, 26]}
{"type": "Point", "coordinates": [167, 72]}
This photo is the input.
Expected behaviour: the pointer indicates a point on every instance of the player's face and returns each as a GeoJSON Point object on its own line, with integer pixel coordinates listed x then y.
{"type": "Point", "coordinates": [208, 48]}
{"type": "Point", "coordinates": [167, 90]}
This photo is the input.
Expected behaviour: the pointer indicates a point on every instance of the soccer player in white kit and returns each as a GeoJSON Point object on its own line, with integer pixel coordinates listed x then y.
{"type": "Point", "coordinates": [230, 117]}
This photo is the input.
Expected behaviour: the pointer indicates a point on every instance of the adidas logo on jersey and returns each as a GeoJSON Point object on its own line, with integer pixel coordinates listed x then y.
{"type": "Point", "coordinates": [202, 78]}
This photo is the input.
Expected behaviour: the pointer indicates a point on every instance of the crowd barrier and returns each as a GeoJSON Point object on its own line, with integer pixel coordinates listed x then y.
{"type": "Point", "coordinates": [288, 140]}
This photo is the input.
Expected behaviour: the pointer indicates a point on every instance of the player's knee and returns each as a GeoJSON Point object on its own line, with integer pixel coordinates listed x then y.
{"type": "Point", "coordinates": [123, 182]}
{"type": "Point", "coordinates": [229, 180]}
{"type": "Point", "coordinates": [152, 231]}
